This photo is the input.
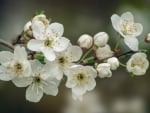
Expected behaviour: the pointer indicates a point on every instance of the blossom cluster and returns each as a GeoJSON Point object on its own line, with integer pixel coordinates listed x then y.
{"type": "Point", "coordinates": [50, 57]}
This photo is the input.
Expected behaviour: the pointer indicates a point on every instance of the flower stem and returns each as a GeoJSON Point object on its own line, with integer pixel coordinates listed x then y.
{"type": "Point", "coordinates": [6, 44]}
{"type": "Point", "coordinates": [86, 54]}
{"type": "Point", "coordinates": [123, 65]}
{"type": "Point", "coordinates": [118, 43]}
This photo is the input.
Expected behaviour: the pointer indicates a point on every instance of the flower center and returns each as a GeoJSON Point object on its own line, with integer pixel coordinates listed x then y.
{"type": "Point", "coordinates": [48, 42]}
{"type": "Point", "coordinates": [18, 68]}
{"type": "Point", "coordinates": [128, 28]}
{"type": "Point", "coordinates": [61, 60]}
{"type": "Point", "coordinates": [138, 62]}
{"type": "Point", "coordinates": [37, 79]}
{"type": "Point", "coordinates": [80, 76]}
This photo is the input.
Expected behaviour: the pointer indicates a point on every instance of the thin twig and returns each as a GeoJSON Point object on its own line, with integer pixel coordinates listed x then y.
{"type": "Point", "coordinates": [118, 56]}
{"type": "Point", "coordinates": [6, 44]}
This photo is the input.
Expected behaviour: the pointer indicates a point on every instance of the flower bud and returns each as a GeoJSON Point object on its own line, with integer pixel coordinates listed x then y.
{"type": "Point", "coordinates": [147, 38]}
{"type": "Point", "coordinates": [114, 63]}
{"type": "Point", "coordinates": [41, 18]}
{"type": "Point", "coordinates": [104, 52]}
{"type": "Point", "coordinates": [27, 26]}
{"type": "Point", "coordinates": [138, 64]}
{"type": "Point", "coordinates": [85, 41]}
{"type": "Point", "coordinates": [104, 70]}
{"type": "Point", "coordinates": [101, 39]}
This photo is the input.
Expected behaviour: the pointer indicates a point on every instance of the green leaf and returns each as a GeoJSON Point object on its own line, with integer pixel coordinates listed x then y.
{"type": "Point", "coordinates": [40, 57]}
{"type": "Point", "coordinates": [39, 12]}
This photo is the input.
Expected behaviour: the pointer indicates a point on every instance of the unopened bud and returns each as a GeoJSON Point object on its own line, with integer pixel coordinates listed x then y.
{"type": "Point", "coordinates": [85, 41]}
{"type": "Point", "coordinates": [27, 26]}
{"type": "Point", "coordinates": [114, 63]}
{"type": "Point", "coordinates": [101, 39]}
{"type": "Point", "coordinates": [104, 70]}
{"type": "Point", "coordinates": [104, 52]}
{"type": "Point", "coordinates": [147, 38]}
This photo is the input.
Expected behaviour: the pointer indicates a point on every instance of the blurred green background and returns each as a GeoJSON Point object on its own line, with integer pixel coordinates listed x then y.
{"type": "Point", "coordinates": [78, 17]}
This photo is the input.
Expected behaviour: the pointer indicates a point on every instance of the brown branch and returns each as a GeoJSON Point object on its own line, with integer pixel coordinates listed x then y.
{"type": "Point", "coordinates": [6, 44]}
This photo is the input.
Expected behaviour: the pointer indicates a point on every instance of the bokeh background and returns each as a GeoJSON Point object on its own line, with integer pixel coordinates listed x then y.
{"type": "Point", "coordinates": [118, 94]}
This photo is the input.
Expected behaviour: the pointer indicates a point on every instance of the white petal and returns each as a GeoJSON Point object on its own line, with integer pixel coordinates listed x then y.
{"type": "Point", "coordinates": [77, 97]}
{"type": "Point", "coordinates": [55, 30]}
{"type": "Point", "coordinates": [61, 44]}
{"type": "Point", "coordinates": [50, 88]}
{"type": "Point", "coordinates": [52, 70]}
{"type": "Point", "coordinates": [71, 83]}
{"type": "Point", "coordinates": [34, 93]}
{"type": "Point", "coordinates": [5, 74]}
{"type": "Point", "coordinates": [74, 53]}
{"type": "Point", "coordinates": [26, 69]}
{"type": "Point", "coordinates": [35, 45]}
{"type": "Point", "coordinates": [139, 28]}
{"type": "Point", "coordinates": [5, 56]}
{"type": "Point", "coordinates": [115, 19]}
{"type": "Point", "coordinates": [79, 90]}
{"type": "Point", "coordinates": [91, 85]}
{"type": "Point", "coordinates": [38, 29]}
{"type": "Point", "coordinates": [91, 71]}
{"type": "Point", "coordinates": [49, 54]}
{"type": "Point", "coordinates": [22, 82]}
{"type": "Point", "coordinates": [132, 43]}
{"type": "Point", "coordinates": [127, 16]}
{"type": "Point", "coordinates": [20, 53]}
{"type": "Point", "coordinates": [36, 66]}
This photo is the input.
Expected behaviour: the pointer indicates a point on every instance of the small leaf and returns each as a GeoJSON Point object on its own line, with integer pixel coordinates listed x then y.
{"type": "Point", "coordinates": [39, 12]}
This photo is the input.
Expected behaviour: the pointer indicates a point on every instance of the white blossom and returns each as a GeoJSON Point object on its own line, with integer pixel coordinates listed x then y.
{"type": "Point", "coordinates": [48, 39]}
{"type": "Point", "coordinates": [14, 65]}
{"type": "Point", "coordinates": [127, 28]}
{"type": "Point", "coordinates": [104, 70]}
{"type": "Point", "coordinates": [42, 79]}
{"type": "Point", "coordinates": [101, 39]}
{"type": "Point", "coordinates": [64, 60]}
{"type": "Point", "coordinates": [81, 79]}
{"type": "Point", "coordinates": [138, 64]}
{"type": "Point", "coordinates": [85, 41]}
{"type": "Point", "coordinates": [114, 63]}
{"type": "Point", "coordinates": [104, 52]}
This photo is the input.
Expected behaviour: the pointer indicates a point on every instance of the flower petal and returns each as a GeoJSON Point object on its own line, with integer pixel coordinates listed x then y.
{"type": "Point", "coordinates": [139, 28]}
{"type": "Point", "coordinates": [127, 16]}
{"type": "Point", "coordinates": [50, 88]}
{"type": "Point", "coordinates": [5, 75]}
{"type": "Point", "coordinates": [91, 84]}
{"type": "Point", "coordinates": [38, 29]}
{"type": "Point", "coordinates": [55, 30]}
{"type": "Point", "coordinates": [49, 54]}
{"type": "Point", "coordinates": [115, 19]}
{"type": "Point", "coordinates": [22, 82]}
{"type": "Point", "coordinates": [74, 53]}
{"type": "Point", "coordinates": [91, 71]}
{"type": "Point", "coordinates": [51, 70]}
{"type": "Point", "coordinates": [79, 90]}
{"type": "Point", "coordinates": [34, 93]}
{"type": "Point", "coordinates": [20, 53]}
{"type": "Point", "coordinates": [26, 69]}
{"type": "Point", "coordinates": [5, 56]}
{"type": "Point", "coordinates": [71, 83]}
{"type": "Point", "coordinates": [61, 44]}
{"type": "Point", "coordinates": [132, 43]}
{"type": "Point", "coordinates": [36, 66]}
{"type": "Point", "coordinates": [35, 45]}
